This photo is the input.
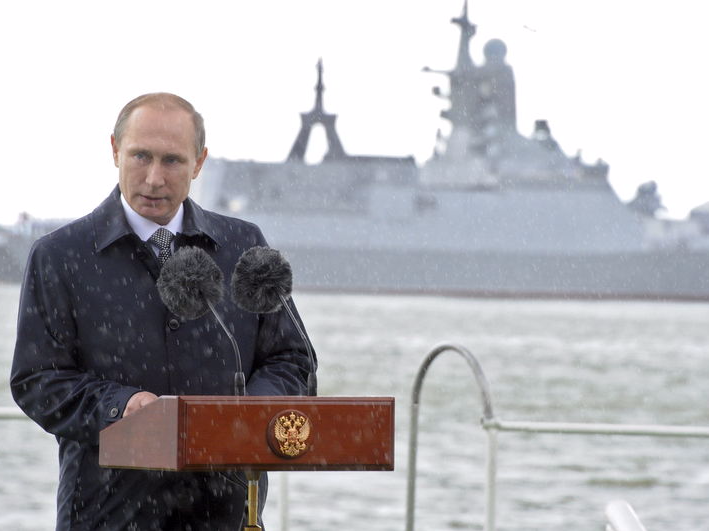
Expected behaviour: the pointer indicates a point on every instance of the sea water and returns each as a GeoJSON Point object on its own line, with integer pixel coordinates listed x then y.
{"type": "Point", "coordinates": [561, 361]}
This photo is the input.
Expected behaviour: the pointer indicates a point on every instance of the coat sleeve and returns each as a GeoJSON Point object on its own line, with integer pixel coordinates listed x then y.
{"type": "Point", "coordinates": [47, 379]}
{"type": "Point", "coordinates": [281, 362]}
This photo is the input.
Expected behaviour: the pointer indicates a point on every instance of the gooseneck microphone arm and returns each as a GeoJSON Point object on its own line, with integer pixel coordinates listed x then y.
{"type": "Point", "coordinates": [239, 377]}
{"type": "Point", "coordinates": [312, 379]}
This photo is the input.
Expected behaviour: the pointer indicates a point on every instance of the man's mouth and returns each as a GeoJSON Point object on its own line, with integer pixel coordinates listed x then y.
{"type": "Point", "coordinates": [152, 199]}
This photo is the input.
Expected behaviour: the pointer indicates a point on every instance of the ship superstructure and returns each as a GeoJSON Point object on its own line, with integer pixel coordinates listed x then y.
{"type": "Point", "coordinates": [484, 148]}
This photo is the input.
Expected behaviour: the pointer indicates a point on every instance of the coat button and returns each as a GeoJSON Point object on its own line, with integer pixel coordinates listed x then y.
{"type": "Point", "coordinates": [113, 413]}
{"type": "Point", "coordinates": [173, 324]}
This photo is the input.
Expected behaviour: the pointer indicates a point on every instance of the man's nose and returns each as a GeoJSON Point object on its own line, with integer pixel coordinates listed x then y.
{"type": "Point", "coordinates": [155, 177]}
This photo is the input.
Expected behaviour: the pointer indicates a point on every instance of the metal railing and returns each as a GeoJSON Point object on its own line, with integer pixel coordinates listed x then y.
{"type": "Point", "coordinates": [12, 413]}
{"type": "Point", "coordinates": [621, 517]}
{"type": "Point", "coordinates": [494, 425]}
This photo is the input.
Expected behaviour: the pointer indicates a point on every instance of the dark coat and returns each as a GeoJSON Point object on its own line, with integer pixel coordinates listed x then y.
{"type": "Point", "coordinates": [92, 331]}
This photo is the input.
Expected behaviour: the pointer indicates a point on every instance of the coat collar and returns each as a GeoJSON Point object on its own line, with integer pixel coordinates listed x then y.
{"type": "Point", "coordinates": [110, 222]}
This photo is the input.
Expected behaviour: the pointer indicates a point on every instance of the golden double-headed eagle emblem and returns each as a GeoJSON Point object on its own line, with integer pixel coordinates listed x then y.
{"type": "Point", "coordinates": [291, 432]}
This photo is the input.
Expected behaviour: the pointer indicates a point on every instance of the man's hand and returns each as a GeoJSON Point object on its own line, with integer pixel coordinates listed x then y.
{"type": "Point", "coordinates": [138, 400]}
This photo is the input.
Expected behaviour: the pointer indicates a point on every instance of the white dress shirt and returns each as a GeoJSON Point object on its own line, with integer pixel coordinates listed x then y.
{"type": "Point", "coordinates": [145, 228]}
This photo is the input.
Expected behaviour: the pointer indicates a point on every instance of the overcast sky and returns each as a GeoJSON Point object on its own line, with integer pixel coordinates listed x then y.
{"type": "Point", "coordinates": [621, 80]}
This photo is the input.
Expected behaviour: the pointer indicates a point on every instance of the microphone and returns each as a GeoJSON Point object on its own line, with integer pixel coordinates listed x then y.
{"type": "Point", "coordinates": [262, 283]}
{"type": "Point", "coordinates": [191, 284]}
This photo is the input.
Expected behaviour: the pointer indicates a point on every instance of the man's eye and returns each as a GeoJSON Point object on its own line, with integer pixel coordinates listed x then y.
{"type": "Point", "coordinates": [171, 160]}
{"type": "Point", "coordinates": [141, 156]}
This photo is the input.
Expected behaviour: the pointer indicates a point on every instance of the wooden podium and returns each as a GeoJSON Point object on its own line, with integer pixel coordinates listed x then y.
{"type": "Point", "coordinates": [254, 434]}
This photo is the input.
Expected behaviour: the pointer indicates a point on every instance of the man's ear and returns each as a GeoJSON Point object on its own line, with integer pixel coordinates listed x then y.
{"type": "Point", "coordinates": [200, 162]}
{"type": "Point", "coordinates": [114, 148]}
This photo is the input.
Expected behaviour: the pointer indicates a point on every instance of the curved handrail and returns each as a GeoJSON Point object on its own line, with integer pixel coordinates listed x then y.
{"type": "Point", "coordinates": [488, 416]}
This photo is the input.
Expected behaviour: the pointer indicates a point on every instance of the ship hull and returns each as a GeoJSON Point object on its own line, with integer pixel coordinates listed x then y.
{"type": "Point", "coordinates": [653, 275]}
{"type": "Point", "coordinates": [650, 275]}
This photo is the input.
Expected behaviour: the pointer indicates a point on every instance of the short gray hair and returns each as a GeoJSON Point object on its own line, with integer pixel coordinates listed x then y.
{"type": "Point", "coordinates": [164, 99]}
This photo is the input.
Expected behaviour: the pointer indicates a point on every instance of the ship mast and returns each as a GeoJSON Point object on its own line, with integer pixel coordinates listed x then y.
{"type": "Point", "coordinates": [466, 136]}
{"type": "Point", "coordinates": [481, 97]}
{"type": "Point", "coordinates": [317, 116]}
{"type": "Point", "coordinates": [463, 90]}
{"type": "Point", "coordinates": [467, 32]}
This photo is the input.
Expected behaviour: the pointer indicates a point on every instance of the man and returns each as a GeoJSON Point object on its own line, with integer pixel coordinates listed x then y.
{"type": "Point", "coordinates": [95, 342]}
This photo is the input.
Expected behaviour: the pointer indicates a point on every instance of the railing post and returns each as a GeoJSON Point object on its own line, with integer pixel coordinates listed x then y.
{"type": "Point", "coordinates": [283, 501]}
{"type": "Point", "coordinates": [411, 483]}
{"type": "Point", "coordinates": [491, 480]}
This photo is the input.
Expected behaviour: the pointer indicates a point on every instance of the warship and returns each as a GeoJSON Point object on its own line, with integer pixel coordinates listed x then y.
{"type": "Point", "coordinates": [491, 213]}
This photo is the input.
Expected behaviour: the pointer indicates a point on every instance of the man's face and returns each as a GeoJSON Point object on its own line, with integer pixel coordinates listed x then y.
{"type": "Point", "coordinates": [156, 161]}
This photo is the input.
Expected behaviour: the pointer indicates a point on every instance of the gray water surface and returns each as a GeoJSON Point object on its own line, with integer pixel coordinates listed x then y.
{"type": "Point", "coordinates": [565, 361]}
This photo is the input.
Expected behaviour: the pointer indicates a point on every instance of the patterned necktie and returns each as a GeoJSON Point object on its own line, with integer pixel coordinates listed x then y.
{"type": "Point", "coordinates": [162, 238]}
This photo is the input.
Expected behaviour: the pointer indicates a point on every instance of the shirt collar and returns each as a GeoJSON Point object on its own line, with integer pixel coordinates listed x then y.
{"type": "Point", "coordinates": [111, 224]}
{"type": "Point", "coordinates": [144, 227]}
